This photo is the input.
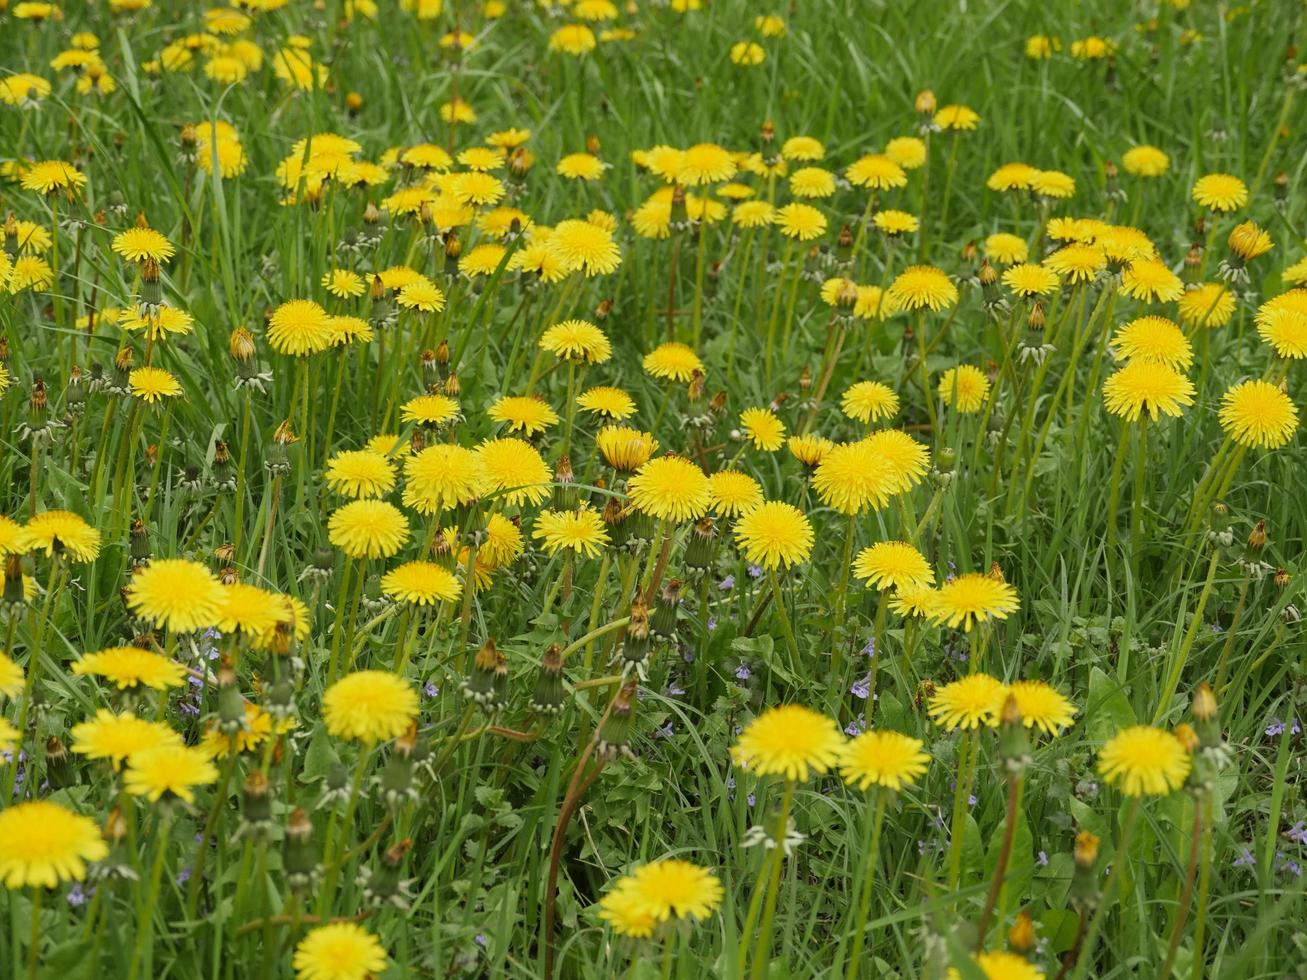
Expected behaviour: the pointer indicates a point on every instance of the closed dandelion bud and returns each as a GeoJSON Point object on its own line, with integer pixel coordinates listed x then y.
{"type": "Point", "coordinates": [768, 132]}
{"type": "Point", "coordinates": [636, 645]}
{"type": "Point", "coordinates": [1084, 881]}
{"type": "Point", "coordinates": [679, 215]}
{"type": "Point", "coordinates": [925, 102]}
{"type": "Point", "coordinates": [299, 856]}
{"type": "Point", "coordinates": [603, 310]}
{"type": "Point", "coordinates": [228, 575]}
{"type": "Point", "coordinates": [1281, 578]}
{"type": "Point", "coordinates": [1021, 937]}
{"type": "Point", "coordinates": [396, 779]}
{"type": "Point", "coordinates": [700, 546]}
{"type": "Point", "coordinates": [256, 804]}
{"type": "Point", "coordinates": [283, 437]}
{"type": "Point", "coordinates": [13, 595]}
{"type": "Point", "coordinates": [487, 683]}
{"type": "Point", "coordinates": [372, 598]}
{"type": "Point", "coordinates": [384, 884]}
{"type": "Point", "coordinates": [520, 161]}
{"type": "Point", "coordinates": [353, 103]}
{"type": "Point", "coordinates": [453, 249]}
{"type": "Point", "coordinates": [844, 243]}
{"type": "Point", "coordinates": [279, 696]}
{"type": "Point", "coordinates": [663, 620]}
{"type": "Point", "coordinates": [151, 285]}
{"type": "Point", "coordinates": [694, 391]}
{"type": "Point", "coordinates": [565, 492]}
{"type": "Point", "coordinates": [615, 730]}
{"type": "Point", "coordinates": [60, 772]}
{"type": "Point", "coordinates": [945, 461]}
{"type": "Point", "coordinates": [1281, 188]}
{"type": "Point", "coordinates": [140, 540]}
{"type": "Point", "coordinates": [231, 706]}
{"type": "Point", "coordinates": [1013, 740]}
{"type": "Point", "coordinates": [614, 521]}
{"type": "Point", "coordinates": [1086, 849]}
{"type": "Point", "coordinates": [987, 275]}
{"type": "Point", "coordinates": [223, 473]}
{"type": "Point", "coordinates": [1257, 538]}
{"type": "Point", "coordinates": [1187, 737]}
{"type": "Point", "coordinates": [75, 392]}
{"type": "Point", "coordinates": [452, 386]}
{"type": "Point", "coordinates": [547, 695]}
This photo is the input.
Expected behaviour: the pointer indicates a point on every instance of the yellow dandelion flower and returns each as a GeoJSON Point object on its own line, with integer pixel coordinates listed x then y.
{"type": "Point", "coordinates": [46, 844]}
{"type": "Point", "coordinates": [774, 534]}
{"type": "Point", "coordinates": [920, 287]}
{"type": "Point", "coordinates": [174, 593]}
{"type": "Point", "coordinates": [1147, 386]}
{"type": "Point", "coordinates": [1028, 279]}
{"type": "Point", "coordinates": [579, 531]}
{"type": "Point", "coordinates": [965, 387]}
{"type": "Point", "coordinates": [1144, 761]}
{"type": "Point", "coordinates": [801, 222]}
{"type": "Point", "coordinates": [1040, 705]}
{"type": "Point", "coordinates": [1258, 413]}
{"type": "Point", "coordinates": [893, 565]}
{"type": "Point", "coordinates": [733, 493]}
{"type": "Point", "coordinates": [672, 361]}
{"type": "Point", "coordinates": [513, 471]}
{"type": "Point", "coordinates": [968, 703]}
{"type": "Point", "coordinates": [61, 531]}
{"type": "Point", "coordinates": [339, 951]}
{"type": "Point", "coordinates": [869, 401]}
{"type": "Point", "coordinates": [671, 489]}
{"type": "Point", "coordinates": [974, 598]}
{"type": "Point", "coordinates": [625, 449]}
{"type": "Point", "coordinates": [1220, 192]}
{"type": "Point", "coordinates": [763, 428]}
{"type": "Point", "coordinates": [421, 583]}
{"type": "Point", "coordinates": [368, 529]}
{"type": "Point", "coordinates": [1156, 339]}
{"type": "Point", "coordinates": [884, 759]}
{"type": "Point", "coordinates": [528, 414]}
{"type": "Point", "coordinates": [116, 736]}
{"type": "Point", "coordinates": [607, 402]}
{"type": "Point", "coordinates": [1145, 161]}
{"type": "Point", "coordinates": [168, 771]}
{"type": "Point", "coordinates": [369, 706]}
{"type": "Point", "coordinates": [790, 741]}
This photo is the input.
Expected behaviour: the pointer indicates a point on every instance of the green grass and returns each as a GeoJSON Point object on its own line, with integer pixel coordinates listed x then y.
{"type": "Point", "coordinates": [1126, 625]}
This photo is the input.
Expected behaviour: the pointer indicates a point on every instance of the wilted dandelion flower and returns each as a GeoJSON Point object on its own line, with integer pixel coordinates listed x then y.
{"type": "Point", "coordinates": [131, 667]}
{"type": "Point", "coordinates": [607, 402]}
{"type": "Point", "coordinates": [774, 534]}
{"type": "Point", "coordinates": [1156, 339]}
{"type": "Point", "coordinates": [45, 844]}
{"type": "Point", "coordinates": [672, 361]}
{"type": "Point", "coordinates": [577, 340]}
{"type": "Point", "coordinates": [964, 387]}
{"type": "Point", "coordinates": [1220, 192]}
{"type": "Point", "coordinates": [339, 951]}
{"type": "Point", "coordinates": [876, 171]}
{"type": "Point", "coordinates": [1147, 386]}
{"type": "Point", "coordinates": [420, 583]}
{"type": "Point", "coordinates": [1248, 242]}
{"type": "Point", "coordinates": [369, 706]}
{"type": "Point", "coordinates": [625, 449]}
{"type": "Point", "coordinates": [852, 477]}
{"type": "Point", "coordinates": [869, 401]}
{"type": "Point", "coordinates": [884, 759]}
{"type": "Point", "coordinates": [513, 471]}
{"type": "Point", "coordinates": [368, 529]}
{"type": "Point", "coordinates": [974, 598]}
{"type": "Point", "coordinates": [1029, 279]}
{"type": "Point", "coordinates": [151, 384]}
{"type": "Point", "coordinates": [579, 531]}
{"type": "Point", "coordinates": [116, 736]}
{"type": "Point", "coordinates": [790, 741]}
{"type": "Point", "coordinates": [733, 493]}
{"type": "Point", "coordinates": [1006, 248]}
{"type": "Point", "coordinates": [581, 245]}
{"type": "Point", "coordinates": [1145, 161]}
{"type": "Point", "coordinates": [1258, 413]}
{"type": "Point", "coordinates": [1040, 706]}
{"type": "Point", "coordinates": [526, 413]}
{"type": "Point", "coordinates": [671, 489]}
{"type": "Point", "coordinates": [60, 530]}
{"type": "Point", "coordinates": [441, 477]}
{"type": "Point", "coordinates": [299, 327]}
{"type": "Point", "coordinates": [920, 287]}
{"type": "Point", "coordinates": [1144, 761]}
{"type": "Point", "coordinates": [893, 565]}
{"type": "Point", "coordinates": [176, 594]}
{"type": "Point", "coordinates": [1151, 281]}
{"type": "Point", "coordinates": [764, 429]}
{"type": "Point", "coordinates": [1208, 305]}
{"type": "Point", "coordinates": [802, 222]}
{"type": "Point", "coordinates": [141, 243]}
{"type": "Point", "coordinates": [968, 703]}
{"type": "Point", "coordinates": [168, 771]}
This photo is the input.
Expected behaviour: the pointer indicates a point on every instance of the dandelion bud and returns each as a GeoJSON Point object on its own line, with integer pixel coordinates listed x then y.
{"type": "Point", "coordinates": [396, 779]}
{"type": "Point", "coordinates": [592, 145]}
{"type": "Point", "coordinates": [1281, 578]}
{"type": "Point", "coordinates": [663, 620]}
{"type": "Point", "coordinates": [353, 103]}
{"type": "Point", "coordinates": [1247, 241]}
{"type": "Point", "coordinates": [565, 492]}
{"type": "Point", "coordinates": [299, 856]}
{"type": "Point", "coordinates": [140, 540]}
{"type": "Point", "coordinates": [548, 693]}
{"type": "Point", "coordinates": [988, 275]}
{"type": "Point", "coordinates": [603, 310]}
{"type": "Point", "coordinates": [1021, 937]}
{"type": "Point", "coordinates": [60, 772]}
{"type": "Point", "coordinates": [1035, 321]}
{"type": "Point", "coordinates": [13, 594]}
{"type": "Point", "coordinates": [946, 459]}
{"type": "Point", "coordinates": [1187, 737]}
{"type": "Point", "coordinates": [615, 730]}
{"type": "Point", "coordinates": [614, 516]}
{"type": "Point", "coordinates": [925, 102]}
{"type": "Point", "coordinates": [1013, 740]}
{"type": "Point", "coordinates": [768, 131]}
{"type": "Point", "coordinates": [1281, 188]}
{"type": "Point", "coordinates": [385, 884]}
{"type": "Point", "coordinates": [969, 252]}
{"type": "Point", "coordinates": [1257, 537]}
{"type": "Point", "coordinates": [995, 572]}
{"type": "Point", "coordinates": [151, 286]}
{"type": "Point", "coordinates": [231, 706]}
{"type": "Point", "coordinates": [487, 683]}
{"type": "Point", "coordinates": [699, 548]}
{"type": "Point", "coordinates": [256, 804]}
{"type": "Point", "coordinates": [1086, 849]}
{"type": "Point", "coordinates": [520, 161]}
{"type": "Point", "coordinates": [636, 646]}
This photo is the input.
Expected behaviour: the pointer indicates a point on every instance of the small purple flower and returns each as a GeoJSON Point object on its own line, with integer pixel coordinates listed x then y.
{"type": "Point", "coordinates": [195, 680]}
{"type": "Point", "coordinates": [730, 782]}
{"type": "Point", "coordinates": [742, 672]}
{"type": "Point", "coordinates": [971, 800]}
{"type": "Point", "coordinates": [78, 896]}
{"type": "Point", "coordinates": [189, 708]}
{"type": "Point", "coordinates": [726, 584]}
{"type": "Point", "coordinates": [1042, 859]}
{"type": "Point", "coordinates": [1216, 628]}
{"type": "Point", "coordinates": [856, 727]}
{"type": "Point", "coordinates": [861, 689]}
{"type": "Point", "coordinates": [430, 690]}
{"type": "Point", "coordinates": [751, 799]}
{"type": "Point", "coordinates": [870, 647]}
{"type": "Point", "coordinates": [664, 732]}
{"type": "Point", "coordinates": [183, 876]}
{"type": "Point", "coordinates": [1244, 860]}
{"type": "Point", "coordinates": [712, 623]}
{"type": "Point", "coordinates": [1276, 728]}
{"type": "Point", "coordinates": [480, 939]}
{"type": "Point", "coordinates": [675, 690]}
{"type": "Point", "coordinates": [755, 571]}
{"type": "Point", "coordinates": [1298, 833]}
